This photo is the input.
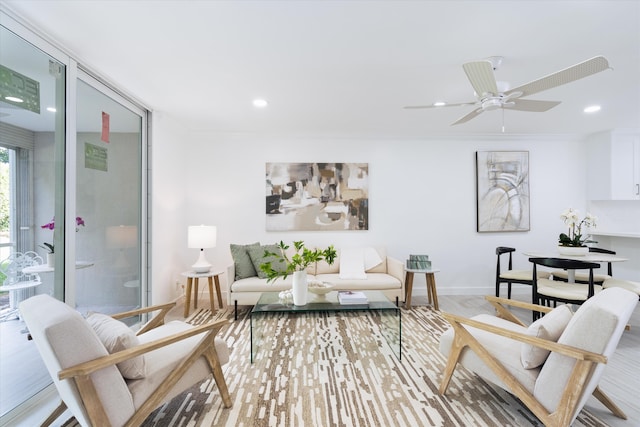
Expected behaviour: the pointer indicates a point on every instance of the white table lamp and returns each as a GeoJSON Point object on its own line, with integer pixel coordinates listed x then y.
{"type": "Point", "coordinates": [202, 237]}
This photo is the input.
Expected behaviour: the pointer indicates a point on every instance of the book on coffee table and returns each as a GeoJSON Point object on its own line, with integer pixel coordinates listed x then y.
{"type": "Point", "coordinates": [352, 297]}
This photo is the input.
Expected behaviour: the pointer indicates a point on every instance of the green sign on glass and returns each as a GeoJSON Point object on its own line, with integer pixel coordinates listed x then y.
{"type": "Point", "coordinates": [95, 157]}
{"type": "Point", "coordinates": [19, 90]}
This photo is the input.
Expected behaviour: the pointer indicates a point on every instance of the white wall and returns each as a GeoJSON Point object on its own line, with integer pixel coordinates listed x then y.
{"type": "Point", "coordinates": [422, 199]}
{"type": "Point", "coordinates": [168, 186]}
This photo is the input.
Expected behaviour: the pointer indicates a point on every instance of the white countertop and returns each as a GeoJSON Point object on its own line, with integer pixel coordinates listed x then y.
{"type": "Point", "coordinates": [630, 234]}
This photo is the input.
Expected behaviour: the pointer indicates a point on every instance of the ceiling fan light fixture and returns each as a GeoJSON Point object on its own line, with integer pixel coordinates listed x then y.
{"type": "Point", "coordinates": [592, 109]}
{"type": "Point", "coordinates": [491, 104]}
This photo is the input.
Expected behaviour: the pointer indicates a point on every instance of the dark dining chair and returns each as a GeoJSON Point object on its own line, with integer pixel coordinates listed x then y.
{"type": "Point", "coordinates": [510, 275]}
{"type": "Point", "coordinates": [547, 291]}
{"type": "Point", "coordinates": [583, 277]}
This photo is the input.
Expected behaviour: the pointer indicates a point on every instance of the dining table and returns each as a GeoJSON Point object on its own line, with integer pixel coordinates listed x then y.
{"type": "Point", "coordinates": [589, 257]}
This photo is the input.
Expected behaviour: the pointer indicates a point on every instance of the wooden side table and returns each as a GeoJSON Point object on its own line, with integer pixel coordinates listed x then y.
{"type": "Point", "coordinates": [432, 294]}
{"type": "Point", "coordinates": [192, 279]}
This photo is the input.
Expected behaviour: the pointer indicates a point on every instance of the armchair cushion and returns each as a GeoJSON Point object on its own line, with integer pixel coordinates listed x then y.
{"type": "Point", "coordinates": [597, 327]}
{"type": "Point", "coordinates": [548, 327]}
{"type": "Point", "coordinates": [117, 336]}
{"type": "Point", "coordinates": [65, 339]}
{"type": "Point", "coordinates": [161, 362]}
{"type": "Point", "coordinates": [506, 351]}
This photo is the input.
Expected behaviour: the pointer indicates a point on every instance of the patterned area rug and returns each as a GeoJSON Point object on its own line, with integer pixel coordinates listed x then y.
{"type": "Point", "coordinates": [337, 370]}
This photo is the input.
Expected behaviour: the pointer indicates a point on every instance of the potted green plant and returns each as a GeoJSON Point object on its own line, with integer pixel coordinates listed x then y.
{"type": "Point", "coordinates": [281, 265]}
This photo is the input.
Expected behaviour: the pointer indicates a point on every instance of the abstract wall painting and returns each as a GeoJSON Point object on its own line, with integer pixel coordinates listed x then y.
{"type": "Point", "coordinates": [317, 196]}
{"type": "Point", "coordinates": [502, 179]}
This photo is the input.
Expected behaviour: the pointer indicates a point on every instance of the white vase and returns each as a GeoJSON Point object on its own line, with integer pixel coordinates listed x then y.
{"type": "Point", "coordinates": [300, 288]}
{"type": "Point", "coordinates": [573, 250]}
{"type": "Point", "coordinates": [51, 260]}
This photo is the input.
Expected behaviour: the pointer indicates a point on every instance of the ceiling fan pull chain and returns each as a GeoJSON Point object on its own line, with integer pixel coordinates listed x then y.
{"type": "Point", "coordinates": [502, 120]}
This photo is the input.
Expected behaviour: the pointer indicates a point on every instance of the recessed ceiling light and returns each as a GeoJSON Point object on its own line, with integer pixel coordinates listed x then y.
{"type": "Point", "coordinates": [592, 109]}
{"type": "Point", "coordinates": [260, 103]}
{"type": "Point", "coordinates": [13, 99]}
{"type": "Point", "coordinates": [439, 104]}
{"type": "Point", "coordinates": [51, 109]}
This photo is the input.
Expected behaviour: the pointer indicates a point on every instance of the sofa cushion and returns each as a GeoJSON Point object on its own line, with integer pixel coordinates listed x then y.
{"type": "Point", "coordinates": [117, 336]}
{"type": "Point", "coordinates": [242, 261]}
{"type": "Point", "coordinates": [256, 253]}
{"type": "Point", "coordinates": [375, 281]}
{"type": "Point", "coordinates": [548, 327]}
{"type": "Point", "coordinates": [375, 260]}
{"type": "Point", "coordinates": [256, 284]}
{"type": "Point", "coordinates": [352, 264]}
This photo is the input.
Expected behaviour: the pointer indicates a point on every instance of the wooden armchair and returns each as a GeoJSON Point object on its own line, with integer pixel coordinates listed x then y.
{"type": "Point", "coordinates": [552, 366]}
{"type": "Point", "coordinates": [108, 376]}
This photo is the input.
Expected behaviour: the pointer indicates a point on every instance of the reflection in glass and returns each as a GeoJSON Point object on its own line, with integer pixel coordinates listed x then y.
{"type": "Point", "coordinates": [108, 198]}
{"type": "Point", "coordinates": [32, 99]}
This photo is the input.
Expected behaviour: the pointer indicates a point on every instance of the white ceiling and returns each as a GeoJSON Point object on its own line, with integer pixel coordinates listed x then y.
{"type": "Point", "coordinates": [346, 68]}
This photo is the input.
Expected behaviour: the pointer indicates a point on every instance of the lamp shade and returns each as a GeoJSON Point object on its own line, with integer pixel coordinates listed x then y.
{"type": "Point", "coordinates": [201, 236]}
{"type": "Point", "coordinates": [122, 236]}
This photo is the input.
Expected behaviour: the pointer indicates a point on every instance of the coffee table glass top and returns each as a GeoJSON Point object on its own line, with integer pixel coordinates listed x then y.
{"type": "Point", "coordinates": [270, 302]}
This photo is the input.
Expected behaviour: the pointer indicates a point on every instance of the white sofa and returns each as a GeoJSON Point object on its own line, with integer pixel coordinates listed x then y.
{"type": "Point", "coordinates": [386, 276]}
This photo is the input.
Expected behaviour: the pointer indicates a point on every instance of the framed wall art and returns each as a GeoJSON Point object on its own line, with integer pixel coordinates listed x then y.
{"type": "Point", "coordinates": [317, 196]}
{"type": "Point", "coordinates": [502, 191]}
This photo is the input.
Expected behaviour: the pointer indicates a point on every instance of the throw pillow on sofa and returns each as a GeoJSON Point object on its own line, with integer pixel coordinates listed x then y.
{"type": "Point", "coordinates": [256, 253]}
{"type": "Point", "coordinates": [242, 261]}
{"type": "Point", "coordinates": [352, 264]}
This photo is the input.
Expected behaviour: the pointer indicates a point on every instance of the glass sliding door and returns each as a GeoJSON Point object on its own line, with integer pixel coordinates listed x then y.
{"type": "Point", "coordinates": [109, 201]}
{"type": "Point", "coordinates": [32, 194]}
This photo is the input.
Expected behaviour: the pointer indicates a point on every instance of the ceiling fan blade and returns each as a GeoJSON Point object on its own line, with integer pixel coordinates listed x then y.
{"type": "Point", "coordinates": [415, 107]}
{"type": "Point", "coordinates": [468, 117]}
{"type": "Point", "coordinates": [531, 105]}
{"type": "Point", "coordinates": [568, 75]}
{"type": "Point", "coordinates": [480, 74]}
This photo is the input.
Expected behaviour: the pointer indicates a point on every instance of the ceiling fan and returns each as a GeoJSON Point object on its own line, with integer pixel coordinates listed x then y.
{"type": "Point", "coordinates": [492, 94]}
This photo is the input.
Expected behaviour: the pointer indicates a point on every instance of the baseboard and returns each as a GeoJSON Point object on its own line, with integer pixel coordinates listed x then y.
{"type": "Point", "coordinates": [471, 290]}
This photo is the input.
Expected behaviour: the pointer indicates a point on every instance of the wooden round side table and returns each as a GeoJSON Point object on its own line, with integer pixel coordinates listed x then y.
{"type": "Point", "coordinates": [192, 279]}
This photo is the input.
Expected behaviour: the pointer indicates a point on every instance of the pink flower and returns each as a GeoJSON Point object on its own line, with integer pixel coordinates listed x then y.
{"type": "Point", "coordinates": [50, 225]}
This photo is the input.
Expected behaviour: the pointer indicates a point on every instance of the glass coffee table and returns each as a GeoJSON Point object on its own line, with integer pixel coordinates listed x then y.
{"type": "Point", "coordinates": [386, 314]}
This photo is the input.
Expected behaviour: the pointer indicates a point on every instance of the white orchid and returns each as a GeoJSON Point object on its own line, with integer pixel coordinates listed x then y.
{"type": "Point", "coordinates": [574, 237]}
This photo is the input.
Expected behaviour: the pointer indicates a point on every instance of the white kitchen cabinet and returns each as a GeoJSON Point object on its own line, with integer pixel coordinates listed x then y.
{"type": "Point", "coordinates": [613, 165]}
